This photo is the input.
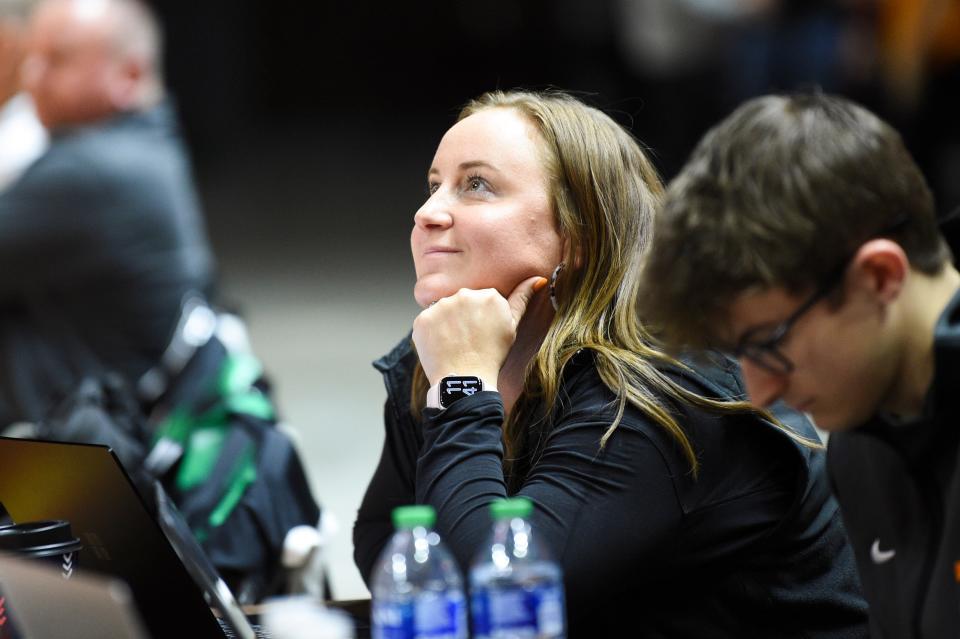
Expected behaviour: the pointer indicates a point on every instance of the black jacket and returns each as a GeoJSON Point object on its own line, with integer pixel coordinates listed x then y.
{"type": "Point", "coordinates": [752, 547]}
{"type": "Point", "coordinates": [900, 495]}
{"type": "Point", "coordinates": [100, 241]}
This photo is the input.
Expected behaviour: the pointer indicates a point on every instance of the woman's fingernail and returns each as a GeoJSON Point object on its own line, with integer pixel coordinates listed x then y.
{"type": "Point", "coordinates": [539, 284]}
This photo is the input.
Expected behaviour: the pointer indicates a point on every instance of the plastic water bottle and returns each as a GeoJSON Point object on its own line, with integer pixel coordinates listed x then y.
{"type": "Point", "coordinates": [516, 587]}
{"type": "Point", "coordinates": [417, 588]}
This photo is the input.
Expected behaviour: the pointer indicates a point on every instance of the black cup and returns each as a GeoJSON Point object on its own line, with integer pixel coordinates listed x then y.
{"type": "Point", "coordinates": [49, 541]}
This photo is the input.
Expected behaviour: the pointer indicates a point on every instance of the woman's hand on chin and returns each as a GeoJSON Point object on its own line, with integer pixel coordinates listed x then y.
{"type": "Point", "coordinates": [471, 332]}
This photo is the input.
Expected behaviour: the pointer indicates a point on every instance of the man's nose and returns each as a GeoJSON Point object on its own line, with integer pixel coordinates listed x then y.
{"type": "Point", "coordinates": [764, 387]}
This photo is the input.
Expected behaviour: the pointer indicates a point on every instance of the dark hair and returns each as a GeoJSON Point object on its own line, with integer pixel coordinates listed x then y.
{"type": "Point", "coordinates": [778, 194]}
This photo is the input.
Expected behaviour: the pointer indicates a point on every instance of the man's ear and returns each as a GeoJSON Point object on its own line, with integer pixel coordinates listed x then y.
{"type": "Point", "coordinates": [881, 267]}
{"type": "Point", "coordinates": [126, 83]}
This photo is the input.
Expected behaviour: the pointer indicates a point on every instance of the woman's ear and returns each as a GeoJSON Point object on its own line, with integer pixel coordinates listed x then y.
{"type": "Point", "coordinates": [881, 267]}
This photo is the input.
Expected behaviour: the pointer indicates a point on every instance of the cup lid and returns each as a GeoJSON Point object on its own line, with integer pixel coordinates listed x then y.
{"type": "Point", "coordinates": [34, 534]}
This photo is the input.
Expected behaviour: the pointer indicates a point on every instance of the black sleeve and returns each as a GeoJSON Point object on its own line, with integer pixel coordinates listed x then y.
{"type": "Point", "coordinates": [43, 223]}
{"type": "Point", "coordinates": [590, 505]}
{"type": "Point", "coordinates": [392, 485]}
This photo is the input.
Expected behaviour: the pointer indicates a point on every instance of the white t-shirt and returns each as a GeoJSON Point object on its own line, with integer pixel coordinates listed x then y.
{"type": "Point", "coordinates": [22, 138]}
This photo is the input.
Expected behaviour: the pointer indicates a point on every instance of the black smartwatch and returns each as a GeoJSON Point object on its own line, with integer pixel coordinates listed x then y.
{"type": "Point", "coordinates": [452, 389]}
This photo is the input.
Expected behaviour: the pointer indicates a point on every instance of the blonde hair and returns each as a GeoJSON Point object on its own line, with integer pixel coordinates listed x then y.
{"type": "Point", "coordinates": [605, 193]}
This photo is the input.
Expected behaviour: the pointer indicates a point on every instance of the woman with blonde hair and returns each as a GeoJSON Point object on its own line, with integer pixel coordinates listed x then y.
{"type": "Point", "coordinates": [674, 509]}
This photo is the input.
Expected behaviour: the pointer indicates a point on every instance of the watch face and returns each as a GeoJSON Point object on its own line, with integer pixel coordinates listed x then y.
{"type": "Point", "coordinates": [454, 388]}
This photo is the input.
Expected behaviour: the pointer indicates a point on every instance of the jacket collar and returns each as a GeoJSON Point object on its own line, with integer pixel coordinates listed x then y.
{"type": "Point", "coordinates": [946, 353]}
{"type": "Point", "coordinates": [396, 355]}
{"type": "Point", "coordinates": [918, 439]}
{"type": "Point", "coordinates": [714, 371]}
{"type": "Point", "coordinates": [161, 114]}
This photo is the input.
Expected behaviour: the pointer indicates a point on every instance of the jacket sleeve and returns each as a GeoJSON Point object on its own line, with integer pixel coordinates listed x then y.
{"type": "Point", "coordinates": [591, 505]}
{"type": "Point", "coordinates": [392, 485]}
{"type": "Point", "coordinates": [44, 223]}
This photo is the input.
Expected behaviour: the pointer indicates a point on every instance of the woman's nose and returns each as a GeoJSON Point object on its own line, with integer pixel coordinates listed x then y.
{"type": "Point", "coordinates": [435, 213]}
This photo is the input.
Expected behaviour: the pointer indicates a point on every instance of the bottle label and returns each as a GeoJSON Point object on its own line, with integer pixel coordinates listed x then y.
{"type": "Point", "coordinates": [518, 612]}
{"type": "Point", "coordinates": [428, 616]}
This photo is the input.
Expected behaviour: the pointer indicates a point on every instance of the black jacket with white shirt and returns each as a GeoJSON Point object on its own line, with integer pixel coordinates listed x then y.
{"type": "Point", "coordinates": [900, 498]}
{"type": "Point", "coordinates": [101, 241]}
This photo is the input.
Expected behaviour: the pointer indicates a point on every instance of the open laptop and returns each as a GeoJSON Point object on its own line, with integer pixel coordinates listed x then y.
{"type": "Point", "coordinates": [215, 590]}
{"type": "Point", "coordinates": [41, 603]}
{"type": "Point", "coordinates": [86, 485]}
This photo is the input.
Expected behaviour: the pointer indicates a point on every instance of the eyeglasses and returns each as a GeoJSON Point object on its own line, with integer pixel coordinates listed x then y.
{"type": "Point", "coordinates": [765, 351]}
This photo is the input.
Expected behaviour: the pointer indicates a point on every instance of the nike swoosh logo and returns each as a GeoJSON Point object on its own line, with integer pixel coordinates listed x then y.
{"type": "Point", "coordinates": [880, 556]}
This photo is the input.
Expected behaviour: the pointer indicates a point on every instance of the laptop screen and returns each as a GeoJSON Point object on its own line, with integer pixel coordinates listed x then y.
{"type": "Point", "coordinates": [85, 484]}
{"type": "Point", "coordinates": [199, 566]}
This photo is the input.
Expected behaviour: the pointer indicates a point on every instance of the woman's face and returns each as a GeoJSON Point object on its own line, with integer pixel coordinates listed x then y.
{"type": "Point", "coordinates": [488, 221]}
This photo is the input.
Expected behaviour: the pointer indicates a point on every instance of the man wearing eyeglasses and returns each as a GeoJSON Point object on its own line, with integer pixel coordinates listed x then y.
{"type": "Point", "coordinates": [801, 237]}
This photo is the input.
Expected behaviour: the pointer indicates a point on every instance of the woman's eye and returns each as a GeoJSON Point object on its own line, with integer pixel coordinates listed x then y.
{"type": "Point", "coordinates": [477, 183]}
{"type": "Point", "coordinates": [432, 188]}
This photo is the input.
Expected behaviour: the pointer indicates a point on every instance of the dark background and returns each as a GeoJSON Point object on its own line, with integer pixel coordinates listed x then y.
{"type": "Point", "coordinates": [311, 120]}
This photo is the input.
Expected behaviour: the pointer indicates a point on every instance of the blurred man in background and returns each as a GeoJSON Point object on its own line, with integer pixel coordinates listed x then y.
{"type": "Point", "coordinates": [105, 268]}
{"type": "Point", "coordinates": [101, 239]}
{"type": "Point", "coordinates": [22, 138]}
